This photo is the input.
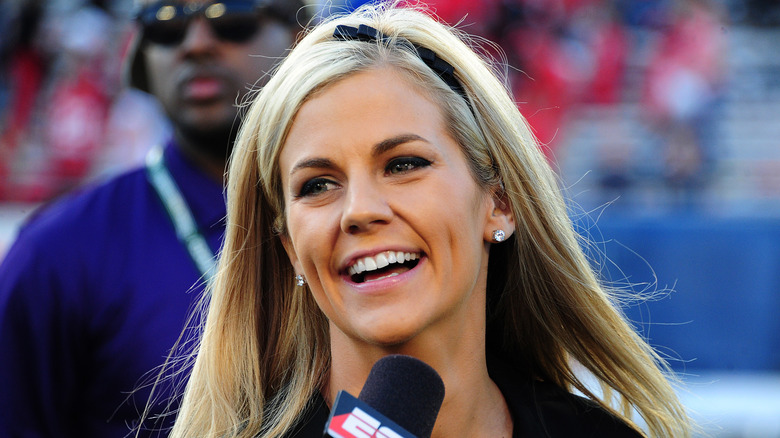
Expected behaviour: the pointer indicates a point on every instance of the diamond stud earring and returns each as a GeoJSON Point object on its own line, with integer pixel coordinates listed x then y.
{"type": "Point", "coordinates": [299, 280]}
{"type": "Point", "coordinates": [499, 236]}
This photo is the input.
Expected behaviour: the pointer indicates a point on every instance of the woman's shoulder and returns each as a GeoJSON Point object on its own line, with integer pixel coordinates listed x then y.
{"type": "Point", "coordinates": [543, 409]}
{"type": "Point", "coordinates": [311, 423]}
{"type": "Point", "coordinates": [561, 413]}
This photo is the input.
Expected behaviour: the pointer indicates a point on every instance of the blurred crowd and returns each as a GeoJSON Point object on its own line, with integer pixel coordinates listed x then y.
{"type": "Point", "coordinates": [65, 116]}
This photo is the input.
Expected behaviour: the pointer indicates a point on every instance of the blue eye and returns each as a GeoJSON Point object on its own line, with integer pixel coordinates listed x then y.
{"type": "Point", "coordinates": [406, 164]}
{"type": "Point", "coordinates": [315, 187]}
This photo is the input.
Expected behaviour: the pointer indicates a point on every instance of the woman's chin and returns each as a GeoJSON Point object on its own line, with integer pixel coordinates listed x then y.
{"type": "Point", "coordinates": [388, 337]}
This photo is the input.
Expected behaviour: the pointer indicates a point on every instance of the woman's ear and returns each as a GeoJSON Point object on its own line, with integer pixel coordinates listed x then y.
{"type": "Point", "coordinates": [501, 218]}
{"type": "Point", "coordinates": [289, 248]}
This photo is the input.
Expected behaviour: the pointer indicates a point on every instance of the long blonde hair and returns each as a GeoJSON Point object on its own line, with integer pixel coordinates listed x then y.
{"type": "Point", "coordinates": [264, 349]}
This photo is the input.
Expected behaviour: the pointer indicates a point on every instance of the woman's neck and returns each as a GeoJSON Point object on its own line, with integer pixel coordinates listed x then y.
{"type": "Point", "coordinates": [473, 409]}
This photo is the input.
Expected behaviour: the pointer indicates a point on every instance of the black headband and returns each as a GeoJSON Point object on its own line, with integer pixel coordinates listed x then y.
{"type": "Point", "coordinates": [441, 67]}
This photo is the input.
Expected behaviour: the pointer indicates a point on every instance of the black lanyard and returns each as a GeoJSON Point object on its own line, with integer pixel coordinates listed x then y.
{"type": "Point", "coordinates": [179, 213]}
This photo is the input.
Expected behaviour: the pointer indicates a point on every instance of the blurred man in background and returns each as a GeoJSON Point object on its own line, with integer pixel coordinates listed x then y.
{"type": "Point", "coordinates": [95, 291]}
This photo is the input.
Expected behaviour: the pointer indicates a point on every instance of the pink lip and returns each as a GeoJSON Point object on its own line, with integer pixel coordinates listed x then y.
{"type": "Point", "coordinates": [202, 88]}
{"type": "Point", "coordinates": [379, 286]}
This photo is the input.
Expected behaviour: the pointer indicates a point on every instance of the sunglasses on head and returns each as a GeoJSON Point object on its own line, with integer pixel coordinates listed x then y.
{"type": "Point", "coordinates": [166, 23]}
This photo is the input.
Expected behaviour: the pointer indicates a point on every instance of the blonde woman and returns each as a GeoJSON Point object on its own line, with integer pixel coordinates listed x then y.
{"type": "Point", "coordinates": [386, 196]}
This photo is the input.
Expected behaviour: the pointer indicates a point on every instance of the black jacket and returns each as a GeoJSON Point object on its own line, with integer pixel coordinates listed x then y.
{"type": "Point", "coordinates": [539, 409]}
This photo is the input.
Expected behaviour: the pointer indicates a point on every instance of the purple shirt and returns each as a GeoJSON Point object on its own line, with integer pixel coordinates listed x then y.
{"type": "Point", "coordinates": [93, 294]}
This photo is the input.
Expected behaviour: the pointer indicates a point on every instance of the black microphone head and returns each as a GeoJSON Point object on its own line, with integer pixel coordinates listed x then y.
{"type": "Point", "coordinates": [407, 391]}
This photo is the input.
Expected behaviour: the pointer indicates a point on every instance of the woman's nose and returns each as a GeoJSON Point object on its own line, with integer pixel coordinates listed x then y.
{"type": "Point", "coordinates": [365, 207]}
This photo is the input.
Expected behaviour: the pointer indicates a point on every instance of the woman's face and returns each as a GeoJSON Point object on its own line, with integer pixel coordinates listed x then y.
{"type": "Point", "coordinates": [384, 218]}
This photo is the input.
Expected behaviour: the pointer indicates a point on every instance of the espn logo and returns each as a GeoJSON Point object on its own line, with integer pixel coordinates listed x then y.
{"type": "Point", "coordinates": [359, 424]}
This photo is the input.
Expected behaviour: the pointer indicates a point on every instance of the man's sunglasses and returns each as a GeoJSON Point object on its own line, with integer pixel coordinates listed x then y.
{"type": "Point", "coordinates": [166, 23]}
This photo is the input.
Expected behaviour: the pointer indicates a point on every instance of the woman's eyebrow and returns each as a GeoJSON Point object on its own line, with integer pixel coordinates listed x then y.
{"type": "Point", "coordinates": [316, 163]}
{"type": "Point", "coordinates": [388, 144]}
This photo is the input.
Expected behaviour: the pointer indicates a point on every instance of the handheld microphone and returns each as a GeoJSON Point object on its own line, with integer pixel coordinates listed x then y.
{"type": "Point", "coordinates": [400, 399]}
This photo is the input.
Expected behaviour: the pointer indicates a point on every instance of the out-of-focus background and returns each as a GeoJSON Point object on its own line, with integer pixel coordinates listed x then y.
{"type": "Point", "coordinates": [661, 116]}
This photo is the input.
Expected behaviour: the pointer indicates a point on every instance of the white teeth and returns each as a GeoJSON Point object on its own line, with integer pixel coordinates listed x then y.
{"type": "Point", "coordinates": [380, 261]}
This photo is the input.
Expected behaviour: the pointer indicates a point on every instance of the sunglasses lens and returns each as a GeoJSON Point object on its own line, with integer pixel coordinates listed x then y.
{"type": "Point", "coordinates": [236, 28]}
{"type": "Point", "coordinates": [166, 33]}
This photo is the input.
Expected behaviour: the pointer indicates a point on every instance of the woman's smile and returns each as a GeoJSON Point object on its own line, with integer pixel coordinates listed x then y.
{"type": "Point", "coordinates": [383, 265]}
